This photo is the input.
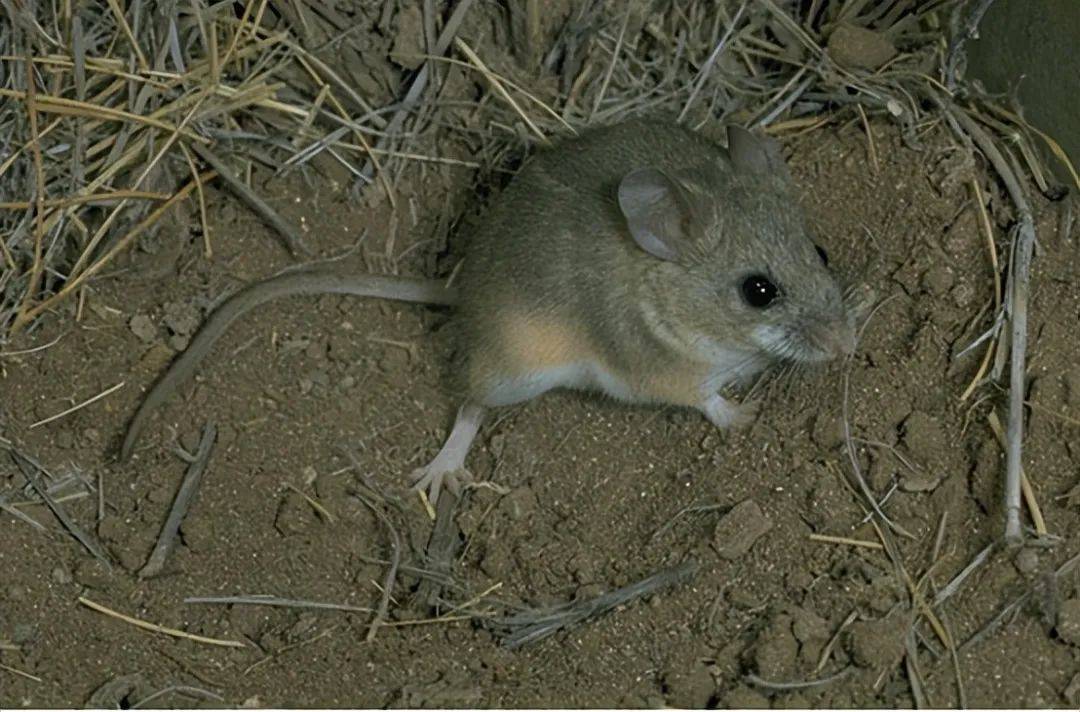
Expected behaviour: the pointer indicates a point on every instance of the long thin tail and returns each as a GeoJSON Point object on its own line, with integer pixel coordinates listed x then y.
{"type": "Point", "coordinates": [308, 281]}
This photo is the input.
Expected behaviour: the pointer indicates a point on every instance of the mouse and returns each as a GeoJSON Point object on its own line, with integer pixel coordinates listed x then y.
{"type": "Point", "coordinates": [641, 260]}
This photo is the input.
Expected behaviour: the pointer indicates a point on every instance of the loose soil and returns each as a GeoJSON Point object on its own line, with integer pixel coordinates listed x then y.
{"type": "Point", "coordinates": [320, 395]}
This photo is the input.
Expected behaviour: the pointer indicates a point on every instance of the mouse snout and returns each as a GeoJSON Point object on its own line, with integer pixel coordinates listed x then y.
{"type": "Point", "coordinates": [833, 338]}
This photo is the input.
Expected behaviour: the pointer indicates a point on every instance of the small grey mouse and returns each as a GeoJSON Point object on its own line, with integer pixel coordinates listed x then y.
{"type": "Point", "coordinates": [641, 260]}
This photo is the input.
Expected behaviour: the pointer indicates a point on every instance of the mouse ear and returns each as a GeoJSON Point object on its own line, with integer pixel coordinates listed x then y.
{"type": "Point", "coordinates": [754, 154]}
{"type": "Point", "coordinates": [656, 211]}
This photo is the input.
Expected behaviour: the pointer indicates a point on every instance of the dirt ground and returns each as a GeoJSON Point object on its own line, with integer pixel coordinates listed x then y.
{"type": "Point", "coordinates": [318, 395]}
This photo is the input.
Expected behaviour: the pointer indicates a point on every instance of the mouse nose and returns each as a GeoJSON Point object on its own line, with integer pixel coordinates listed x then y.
{"type": "Point", "coordinates": [835, 338]}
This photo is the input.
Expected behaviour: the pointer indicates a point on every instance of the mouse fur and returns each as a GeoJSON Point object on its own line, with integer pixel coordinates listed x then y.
{"type": "Point", "coordinates": [556, 292]}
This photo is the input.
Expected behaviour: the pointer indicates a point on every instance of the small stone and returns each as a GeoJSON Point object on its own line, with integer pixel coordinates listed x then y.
{"type": "Point", "coordinates": [690, 689]}
{"type": "Point", "coordinates": [583, 568]}
{"type": "Point", "coordinates": [938, 280]}
{"type": "Point", "coordinates": [826, 433]}
{"type": "Point", "coordinates": [963, 295]}
{"type": "Point", "coordinates": [882, 471]}
{"type": "Point", "coordinates": [877, 644]}
{"type": "Point", "coordinates": [316, 350]}
{"type": "Point", "coordinates": [131, 559]}
{"type": "Point", "coordinates": [61, 575]}
{"type": "Point", "coordinates": [93, 574]}
{"type": "Point", "coordinates": [1068, 621]}
{"type": "Point", "coordinates": [776, 650]}
{"type": "Point", "coordinates": [519, 504]}
{"type": "Point", "coordinates": [882, 601]}
{"type": "Point", "coordinates": [319, 378]}
{"type": "Point", "coordinates": [737, 531]}
{"type": "Point", "coordinates": [113, 528]}
{"type": "Point", "coordinates": [808, 626]}
{"type": "Point", "coordinates": [858, 47]}
{"type": "Point", "coordinates": [918, 480]}
{"type": "Point", "coordinates": [294, 515]}
{"type": "Point", "coordinates": [156, 358]}
{"type": "Point", "coordinates": [198, 532]}
{"type": "Point", "coordinates": [799, 580]}
{"type": "Point", "coordinates": [744, 599]}
{"type": "Point", "coordinates": [143, 327]}
{"type": "Point", "coordinates": [182, 318]}
{"type": "Point", "coordinates": [15, 592]}
{"type": "Point", "coordinates": [1026, 561]}
{"type": "Point", "coordinates": [178, 342]}
{"type": "Point", "coordinates": [924, 436]}
{"type": "Point", "coordinates": [407, 49]}
{"type": "Point", "coordinates": [341, 347]}
{"type": "Point", "coordinates": [496, 562]}
{"type": "Point", "coordinates": [304, 627]}
{"type": "Point", "coordinates": [161, 495]}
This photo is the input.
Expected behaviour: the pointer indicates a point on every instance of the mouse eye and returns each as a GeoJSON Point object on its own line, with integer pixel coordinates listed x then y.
{"type": "Point", "coordinates": [822, 254]}
{"type": "Point", "coordinates": [759, 291]}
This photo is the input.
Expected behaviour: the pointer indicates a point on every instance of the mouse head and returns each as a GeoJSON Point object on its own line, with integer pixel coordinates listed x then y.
{"type": "Point", "coordinates": [748, 273]}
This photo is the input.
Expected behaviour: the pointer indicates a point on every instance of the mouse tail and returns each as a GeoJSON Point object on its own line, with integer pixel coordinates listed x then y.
{"type": "Point", "coordinates": [308, 281]}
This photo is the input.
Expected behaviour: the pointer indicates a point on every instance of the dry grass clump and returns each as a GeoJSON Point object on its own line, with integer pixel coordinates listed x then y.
{"type": "Point", "coordinates": [107, 112]}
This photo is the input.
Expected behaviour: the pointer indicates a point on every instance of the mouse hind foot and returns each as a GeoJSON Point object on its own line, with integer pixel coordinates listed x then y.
{"type": "Point", "coordinates": [447, 469]}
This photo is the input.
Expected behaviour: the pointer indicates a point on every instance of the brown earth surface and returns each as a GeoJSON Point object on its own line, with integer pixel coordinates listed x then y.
{"type": "Point", "coordinates": [321, 395]}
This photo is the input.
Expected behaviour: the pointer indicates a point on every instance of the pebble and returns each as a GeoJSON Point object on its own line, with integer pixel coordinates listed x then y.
{"type": "Point", "coordinates": [826, 433]}
{"type": "Point", "coordinates": [294, 515]}
{"type": "Point", "coordinates": [198, 533]}
{"type": "Point", "coordinates": [1068, 621]}
{"type": "Point", "coordinates": [923, 436]}
{"type": "Point", "coordinates": [877, 644]}
{"type": "Point", "coordinates": [737, 531]}
{"type": "Point", "coordinates": [776, 650]}
{"type": "Point", "coordinates": [853, 46]}
{"type": "Point", "coordinates": [408, 49]}
{"type": "Point", "coordinates": [143, 327]}
{"type": "Point", "coordinates": [93, 574]}
{"type": "Point", "coordinates": [1026, 561]}
{"type": "Point", "coordinates": [690, 689]}
{"type": "Point", "coordinates": [182, 318]}
{"type": "Point", "coordinates": [918, 481]}
{"type": "Point", "coordinates": [938, 280]}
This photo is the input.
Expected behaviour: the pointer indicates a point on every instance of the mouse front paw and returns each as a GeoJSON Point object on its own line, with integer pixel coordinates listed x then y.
{"type": "Point", "coordinates": [724, 414]}
{"type": "Point", "coordinates": [433, 477]}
